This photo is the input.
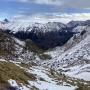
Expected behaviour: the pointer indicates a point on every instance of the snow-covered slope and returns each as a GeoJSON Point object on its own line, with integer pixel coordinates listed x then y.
{"type": "Point", "coordinates": [70, 60]}
{"type": "Point", "coordinates": [73, 24]}
{"type": "Point", "coordinates": [16, 26]}
{"type": "Point", "coordinates": [75, 53]}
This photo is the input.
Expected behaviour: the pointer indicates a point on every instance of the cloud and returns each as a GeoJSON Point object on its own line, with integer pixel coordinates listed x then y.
{"type": "Point", "coordinates": [60, 3]}
{"type": "Point", "coordinates": [76, 3]}
{"type": "Point", "coordinates": [80, 7]}
{"type": "Point", "coordinates": [53, 17]}
{"type": "Point", "coordinates": [48, 2]}
{"type": "Point", "coordinates": [52, 2]}
{"type": "Point", "coordinates": [64, 3]}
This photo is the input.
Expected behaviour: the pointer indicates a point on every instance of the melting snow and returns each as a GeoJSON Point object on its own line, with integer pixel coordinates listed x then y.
{"type": "Point", "coordinates": [22, 43]}
{"type": "Point", "coordinates": [49, 83]}
{"type": "Point", "coordinates": [50, 86]}
{"type": "Point", "coordinates": [18, 87]}
{"type": "Point", "coordinates": [3, 60]}
{"type": "Point", "coordinates": [80, 72]}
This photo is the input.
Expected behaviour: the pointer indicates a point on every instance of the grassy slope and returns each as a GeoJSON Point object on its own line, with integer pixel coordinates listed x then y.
{"type": "Point", "coordinates": [9, 70]}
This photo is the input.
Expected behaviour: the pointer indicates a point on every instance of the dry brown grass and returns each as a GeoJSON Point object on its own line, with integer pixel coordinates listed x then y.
{"type": "Point", "coordinates": [9, 70]}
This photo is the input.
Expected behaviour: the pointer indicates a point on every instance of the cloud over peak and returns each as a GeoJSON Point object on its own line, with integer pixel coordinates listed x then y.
{"type": "Point", "coordinates": [54, 17]}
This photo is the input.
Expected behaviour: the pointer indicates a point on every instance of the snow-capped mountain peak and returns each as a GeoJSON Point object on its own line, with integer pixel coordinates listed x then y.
{"type": "Point", "coordinates": [16, 26]}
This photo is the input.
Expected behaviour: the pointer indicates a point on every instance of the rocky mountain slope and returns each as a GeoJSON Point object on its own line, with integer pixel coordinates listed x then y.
{"type": "Point", "coordinates": [27, 65]}
{"type": "Point", "coordinates": [74, 57]}
{"type": "Point", "coordinates": [19, 69]}
{"type": "Point", "coordinates": [12, 48]}
{"type": "Point", "coordinates": [48, 35]}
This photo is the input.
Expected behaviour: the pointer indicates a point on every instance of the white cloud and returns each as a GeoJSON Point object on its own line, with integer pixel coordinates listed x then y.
{"type": "Point", "coordinates": [52, 2]}
{"type": "Point", "coordinates": [48, 2]}
{"type": "Point", "coordinates": [55, 17]}
{"type": "Point", "coordinates": [65, 3]}
{"type": "Point", "coordinates": [61, 3]}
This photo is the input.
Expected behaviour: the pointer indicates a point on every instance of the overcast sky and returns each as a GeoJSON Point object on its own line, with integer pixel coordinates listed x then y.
{"type": "Point", "coordinates": [44, 8]}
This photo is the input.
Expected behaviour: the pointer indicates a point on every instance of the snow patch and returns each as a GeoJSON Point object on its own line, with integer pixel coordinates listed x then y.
{"type": "Point", "coordinates": [22, 43]}
{"type": "Point", "coordinates": [18, 87]}
{"type": "Point", "coordinates": [49, 86]}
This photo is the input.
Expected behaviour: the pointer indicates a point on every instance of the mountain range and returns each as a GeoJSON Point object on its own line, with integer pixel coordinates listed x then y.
{"type": "Point", "coordinates": [53, 54]}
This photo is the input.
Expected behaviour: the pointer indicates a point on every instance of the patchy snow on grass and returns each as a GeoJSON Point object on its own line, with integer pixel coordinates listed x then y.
{"type": "Point", "coordinates": [12, 83]}
{"type": "Point", "coordinates": [46, 82]}
{"type": "Point", "coordinates": [80, 72]}
{"type": "Point", "coordinates": [41, 73]}
{"type": "Point", "coordinates": [22, 43]}
{"type": "Point", "coordinates": [76, 58]}
{"type": "Point", "coordinates": [18, 87]}
{"type": "Point", "coordinates": [83, 75]}
{"type": "Point", "coordinates": [49, 86]}
{"type": "Point", "coordinates": [3, 60]}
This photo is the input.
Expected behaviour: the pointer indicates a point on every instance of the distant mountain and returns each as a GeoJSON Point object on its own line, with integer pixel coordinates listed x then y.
{"type": "Point", "coordinates": [73, 24]}
{"type": "Point", "coordinates": [6, 20]}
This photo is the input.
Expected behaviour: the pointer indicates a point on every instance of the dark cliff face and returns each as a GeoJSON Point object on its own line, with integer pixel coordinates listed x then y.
{"type": "Point", "coordinates": [46, 40]}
